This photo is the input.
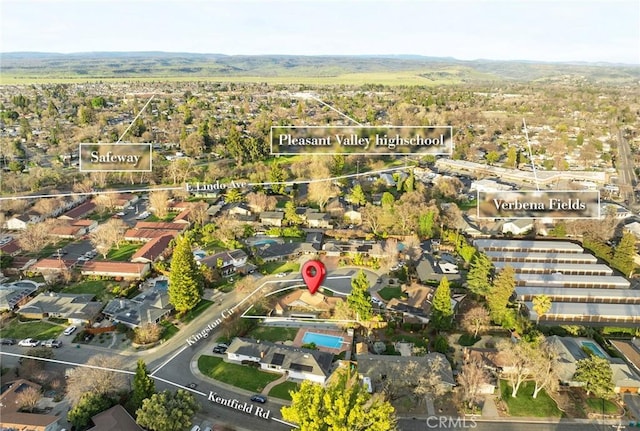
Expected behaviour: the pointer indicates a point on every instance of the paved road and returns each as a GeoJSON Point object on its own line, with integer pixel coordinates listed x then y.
{"type": "Point", "coordinates": [627, 177]}
{"type": "Point", "coordinates": [454, 424]}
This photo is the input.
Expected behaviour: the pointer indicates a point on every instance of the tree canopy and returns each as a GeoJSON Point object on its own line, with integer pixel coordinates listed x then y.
{"type": "Point", "coordinates": [168, 411]}
{"type": "Point", "coordinates": [185, 279]}
{"type": "Point", "coordinates": [596, 374]}
{"type": "Point", "coordinates": [343, 405]}
{"type": "Point", "coordinates": [359, 300]}
{"type": "Point", "coordinates": [441, 309]}
{"type": "Point", "coordinates": [143, 385]}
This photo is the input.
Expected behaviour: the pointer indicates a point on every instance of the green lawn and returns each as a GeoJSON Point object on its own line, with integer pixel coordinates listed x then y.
{"type": "Point", "coordinates": [36, 329]}
{"type": "Point", "coordinates": [95, 287]}
{"type": "Point", "coordinates": [169, 330]}
{"type": "Point", "coordinates": [389, 292]}
{"type": "Point", "coordinates": [525, 405]}
{"type": "Point", "coordinates": [124, 253]}
{"type": "Point", "coordinates": [196, 311]}
{"type": "Point", "coordinates": [169, 217]}
{"type": "Point", "coordinates": [282, 390]}
{"type": "Point", "coordinates": [595, 406]}
{"type": "Point", "coordinates": [269, 333]}
{"type": "Point", "coordinates": [241, 376]}
{"type": "Point", "coordinates": [276, 267]}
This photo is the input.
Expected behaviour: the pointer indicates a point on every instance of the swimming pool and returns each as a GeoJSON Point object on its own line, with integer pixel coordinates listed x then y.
{"type": "Point", "coordinates": [594, 348]}
{"type": "Point", "coordinates": [322, 340]}
{"type": "Point", "coordinates": [265, 241]}
{"type": "Point", "coordinates": [162, 285]}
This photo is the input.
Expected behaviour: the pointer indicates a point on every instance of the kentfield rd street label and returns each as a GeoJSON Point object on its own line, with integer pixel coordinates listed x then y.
{"type": "Point", "coordinates": [245, 407]}
{"type": "Point", "coordinates": [115, 157]}
{"type": "Point", "coordinates": [382, 140]}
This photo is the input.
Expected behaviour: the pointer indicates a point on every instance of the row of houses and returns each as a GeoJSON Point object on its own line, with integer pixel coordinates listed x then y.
{"type": "Point", "coordinates": [581, 290]}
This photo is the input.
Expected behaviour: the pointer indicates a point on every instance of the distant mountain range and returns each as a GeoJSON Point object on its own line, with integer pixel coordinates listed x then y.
{"type": "Point", "coordinates": [174, 64]}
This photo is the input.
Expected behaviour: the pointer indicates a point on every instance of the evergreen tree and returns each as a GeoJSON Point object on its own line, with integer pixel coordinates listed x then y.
{"type": "Point", "coordinates": [290, 215]}
{"type": "Point", "coordinates": [387, 200]}
{"type": "Point", "coordinates": [277, 175]}
{"type": "Point", "coordinates": [167, 411]}
{"type": "Point", "coordinates": [359, 300]}
{"type": "Point", "coordinates": [89, 405]}
{"type": "Point", "coordinates": [479, 276]}
{"type": "Point", "coordinates": [441, 309]}
{"type": "Point", "coordinates": [623, 254]}
{"type": "Point", "coordinates": [185, 280]}
{"type": "Point", "coordinates": [498, 300]}
{"type": "Point", "coordinates": [541, 305]}
{"type": "Point", "coordinates": [409, 183]}
{"type": "Point", "coordinates": [426, 222]}
{"type": "Point", "coordinates": [596, 374]}
{"type": "Point", "coordinates": [143, 386]}
{"type": "Point", "coordinates": [341, 405]}
{"type": "Point", "coordinates": [357, 196]}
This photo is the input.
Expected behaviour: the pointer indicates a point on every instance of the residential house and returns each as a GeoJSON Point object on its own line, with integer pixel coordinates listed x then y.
{"type": "Point", "coordinates": [146, 235]}
{"type": "Point", "coordinates": [518, 227]}
{"type": "Point", "coordinates": [117, 270]}
{"type": "Point", "coordinates": [87, 224]}
{"type": "Point", "coordinates": [14, 294]}
{"type": "Point", "coordinates": [571, 350]}
{"type": "Point", "coordinates": [178, 227]}
{"type": "Point", "coordinates": [67, 232]}
{"type": "Point", "coordinates": [12, 248]}
{"type": "Point", "coordinates": [150, 306]}
{"type": "Point", "coordinates": [226, 262]}
{"type": "Point", "coordinates": [376, 367]}
{"type": "Point", "coordinates": [155, 249]}
{"type": "Point", "coordinates": [336, 207]}
{"type": "Point", "coordinates": [388, 179]}
{"type": "Point", "coordinates": [78, 309]}
{"type": "Point", "coordinates": [353, 216]}
{"type": "Point", "coordinates": [48, 266]}
{"type": "Point", "coordinates": [182, 217]}
{"type": "Point", "coordinates": [287, 251]}
{"type": "Point", "coordinates": [303, 301]}
{"type": "Point", "coordinates": [319, 220]}
{"type": "Point", "coordinates": [13, 419]}
{"type": "Point", "coordinates": [272, 218]}
{"type": "Point", "coordinates": [124, 200]}
{"type": "Point", "coordinates": [633, 228]}
{"type": "Point", "coordinates": [214, 210]}
{"type": "Point", "coordinates": [239, 210]}
{"type": "Point", "coordinates": [414, 305]}
{"type": "Point", "coordinates": [20, 222]}
{"type": "Point", "coordinates": [115, 418]}
{"type": "Point", "coordinates": [79, 212]}
{"type": "Point", "coordinates": [298, 363]}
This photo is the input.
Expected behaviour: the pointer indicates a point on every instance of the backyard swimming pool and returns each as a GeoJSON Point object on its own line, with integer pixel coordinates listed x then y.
{"type": "Point", "coordinates": [162, 285]}
{"type": "Point", "coordinates": [594, 348]}
{"type": "Point", "coordinates": [265, 241]}
{"type": "Point", "coordinates": [322, 340]}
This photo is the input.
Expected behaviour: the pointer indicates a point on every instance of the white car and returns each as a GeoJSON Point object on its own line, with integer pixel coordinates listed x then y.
{"type": "Point", "coordinates": [70, 330]}
{"type": "Point", "coordinates": [28, 342]}
{"type": "Point", "coordinates": [281, 274]}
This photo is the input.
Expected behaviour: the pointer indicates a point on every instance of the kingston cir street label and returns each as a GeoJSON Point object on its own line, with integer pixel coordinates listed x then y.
{"type": "Point", "coordinates": [204, 333]}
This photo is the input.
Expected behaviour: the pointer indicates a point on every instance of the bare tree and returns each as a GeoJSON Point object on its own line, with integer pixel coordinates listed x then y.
{"type": "Point", "coordinates": [28, 398]}
{"type": "Point", "coordinates": [519, 358]}
{"type": "Point", "coordinates": [104, 379]}
{"type": "Point", "coordinates": [36, 236]}
{"type": "Point", "coordinates": [105, 202]}
{"type": "Point", "coordinates": [544, 369]}
{"type": "Point", "coordinates": [46, 206]}
{"type": "Point", "coordinates": [107, 236]}
{"type": "Point", "coordinates": [159, 203]}
{"type": "Point", "coordinates": [476, 320]}
{"type": "Point", "coordinates": [259, 202]}
{"type": "Point", "coordinates": [198, 213]}
{"type": "Point", "coordinates": [471, 379]}
{"type": "Point", "coordinates": [147, 333]}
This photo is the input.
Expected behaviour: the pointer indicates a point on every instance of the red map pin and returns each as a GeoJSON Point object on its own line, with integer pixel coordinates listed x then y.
{"type": "Point", "coordinates": [313, 272]}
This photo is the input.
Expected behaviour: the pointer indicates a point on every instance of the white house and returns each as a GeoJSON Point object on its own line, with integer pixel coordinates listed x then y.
{"type": "Point", "coordinates": [299, 364]}
{"type": "Point", "coordinates": [517, 227]}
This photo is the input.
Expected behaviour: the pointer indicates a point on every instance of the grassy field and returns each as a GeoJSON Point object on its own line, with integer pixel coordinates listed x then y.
{"type": "Point", "coordinates": [169, 330]}
{"type": "Point", "coordinates": [268, 333]}
{"type": "Point", "coordinates": [124, 253]}
{"type": "Point", "coordinates": [240, 376]}
{"type": "Point", "coordinates": [282, 390]}
{"type": "Point", "coordinates": [38, 330]}
{"type": "Point", "coordinates": [525, 405]}
{"type": "Point", "coordinates": [276, 267]}
{"type": "Point", "coordinates": [389, 292]}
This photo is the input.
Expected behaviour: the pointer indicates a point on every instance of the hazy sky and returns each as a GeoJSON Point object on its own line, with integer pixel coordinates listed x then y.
{"type": "Point", "coordinates": [529, 30]}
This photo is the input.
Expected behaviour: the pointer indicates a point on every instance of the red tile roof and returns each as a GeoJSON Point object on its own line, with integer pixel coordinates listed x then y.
{"type": "Point", "coordinates": [146, 234]}
{"type": "Point", "coordinates": [160, 225]}
{"type": "Point", "coordinates": [153, 249]}
{"type": "Point", "coordinates": [80, 211]}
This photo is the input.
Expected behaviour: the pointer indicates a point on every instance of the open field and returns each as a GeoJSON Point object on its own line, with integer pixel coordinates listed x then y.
{"type": "Point", "coordinates": [38, 330]}
{"type": "Point", "coordinates": [525, 405]}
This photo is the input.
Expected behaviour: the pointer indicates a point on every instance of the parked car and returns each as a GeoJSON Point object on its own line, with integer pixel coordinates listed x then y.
{"type": "Point", "coordinates": [70, 330]}
{"type": "Point", "coordinates": [259, 399]}
{"type": "Point", "coordinates": [7, 341]}
{"type": "Point", "coordinates": [281, 274]}
{"type": "Point", "coordinates": [220, 349]}
{"type": "Point", "coordinates": [52, 343]}
{"type": "Point", "coordinates": [28, 342]}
